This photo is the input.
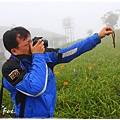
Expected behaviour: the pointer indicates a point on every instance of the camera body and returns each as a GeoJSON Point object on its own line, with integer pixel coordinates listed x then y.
{"type": "Point", "coordinates": [35, 40]}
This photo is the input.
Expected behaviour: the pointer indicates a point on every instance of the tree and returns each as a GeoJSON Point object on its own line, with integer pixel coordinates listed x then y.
{"type": "Point", "coordinates": [90, 32]}
{"type": "Point", "coordinates": [111, 18]}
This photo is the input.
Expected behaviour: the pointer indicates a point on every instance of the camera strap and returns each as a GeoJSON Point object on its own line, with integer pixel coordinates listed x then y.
{"type": "Point", "coordinates": [50, 65]}
{"type": "Point", "coordinates": [1, 94]}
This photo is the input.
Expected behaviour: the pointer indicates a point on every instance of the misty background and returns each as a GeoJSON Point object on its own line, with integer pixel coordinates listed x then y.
{"type": "Point", "coordinates": [49, 16]}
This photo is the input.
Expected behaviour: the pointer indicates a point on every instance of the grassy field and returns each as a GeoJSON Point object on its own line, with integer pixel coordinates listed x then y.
{"type": "Point", "coordinates": [93, 91]}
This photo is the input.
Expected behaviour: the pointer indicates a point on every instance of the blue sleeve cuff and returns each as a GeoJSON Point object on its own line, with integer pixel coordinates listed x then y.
{"type": "Point", "coordinates": [95, 39]}
{"type": "Point", "coordinates": [38, 56]}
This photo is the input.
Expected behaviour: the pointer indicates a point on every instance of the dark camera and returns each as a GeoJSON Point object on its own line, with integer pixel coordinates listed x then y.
{"type": "Point", "coordinates": [35, 40]}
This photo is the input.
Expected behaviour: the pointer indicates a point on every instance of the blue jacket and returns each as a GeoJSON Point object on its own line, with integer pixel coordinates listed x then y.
{"type": "Point", "coordinates": [35, 79]}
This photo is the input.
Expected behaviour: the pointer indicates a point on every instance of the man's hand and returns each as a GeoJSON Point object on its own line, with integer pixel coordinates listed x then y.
{"type": "Point", "coordinates": [105, 31]}
{"type": "Point", "coordinates": [38, 47]}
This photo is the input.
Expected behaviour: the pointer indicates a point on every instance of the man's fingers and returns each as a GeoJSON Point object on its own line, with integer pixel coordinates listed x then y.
{"type": "Point", "coordinates": [39, 42]}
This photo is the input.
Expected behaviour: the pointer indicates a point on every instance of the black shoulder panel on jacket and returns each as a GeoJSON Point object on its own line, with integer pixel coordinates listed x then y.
{"type": "Point", "coordinates": [52, 50]}
{"type": "Point", "coordinates": [13, 72]}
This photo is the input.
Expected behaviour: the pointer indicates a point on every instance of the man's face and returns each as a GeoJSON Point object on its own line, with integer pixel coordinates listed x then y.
{"type": "Point", "coordinates": [23, 46]}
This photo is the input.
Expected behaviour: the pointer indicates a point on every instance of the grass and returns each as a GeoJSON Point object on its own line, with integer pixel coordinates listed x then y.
{"type": "Point", "coordinates": [93, 91]}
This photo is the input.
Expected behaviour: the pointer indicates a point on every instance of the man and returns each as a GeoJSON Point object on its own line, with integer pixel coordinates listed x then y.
{"type": "Point", "coordinates": [28, 73]}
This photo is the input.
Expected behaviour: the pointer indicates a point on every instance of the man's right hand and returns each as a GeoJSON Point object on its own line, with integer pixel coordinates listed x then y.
{"type": "Point", "coordinates": [38, 47]}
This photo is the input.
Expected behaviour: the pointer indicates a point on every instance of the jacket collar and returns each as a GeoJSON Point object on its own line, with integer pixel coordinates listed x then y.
{"type": "Point", "coordinates": [21, 57]}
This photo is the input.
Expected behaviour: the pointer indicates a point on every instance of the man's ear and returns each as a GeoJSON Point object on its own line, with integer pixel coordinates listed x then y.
{"type": "Point", "coordinates": [14, 51]}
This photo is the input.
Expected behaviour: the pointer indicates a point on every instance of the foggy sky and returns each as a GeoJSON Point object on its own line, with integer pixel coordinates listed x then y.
{"type": "Point", "coordinates": [49, 15]}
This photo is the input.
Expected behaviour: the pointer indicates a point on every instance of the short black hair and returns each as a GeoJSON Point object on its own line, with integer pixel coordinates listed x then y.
{"type": "Point", "coordinates": [9, 37]}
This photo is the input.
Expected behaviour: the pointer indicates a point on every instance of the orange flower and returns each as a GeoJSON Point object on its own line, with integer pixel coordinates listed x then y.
{"type": "Point", "coordinates": [65, 83]}
{"type": "Point", "coordinates": [62, 66]}
{"type": "Point", "coordinates": [90, 67]}
{"type": "Point", "coordinates": [56, 73]}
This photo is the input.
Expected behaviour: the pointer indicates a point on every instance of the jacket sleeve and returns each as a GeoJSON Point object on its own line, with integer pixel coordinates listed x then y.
{"type": "Point", "coordinates": [67, 54]}
{"type": "Point", "coordinates": [32, 82]}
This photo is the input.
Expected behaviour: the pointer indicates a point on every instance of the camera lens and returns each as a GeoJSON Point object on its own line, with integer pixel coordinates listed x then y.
{"type": "Point", "coordinates": [45, 43]}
